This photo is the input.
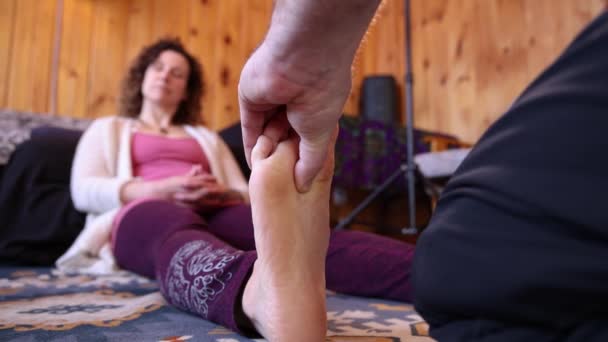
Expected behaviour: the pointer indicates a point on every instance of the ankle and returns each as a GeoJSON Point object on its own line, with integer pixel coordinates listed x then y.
{"type": "Point", "coordinates": [251, 296]}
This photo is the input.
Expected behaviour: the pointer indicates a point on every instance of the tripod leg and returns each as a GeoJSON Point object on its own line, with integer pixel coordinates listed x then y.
{"type": "Point", "coordinates": [370, 198]}
{"type": "Point", "coordinates": [409, 118]}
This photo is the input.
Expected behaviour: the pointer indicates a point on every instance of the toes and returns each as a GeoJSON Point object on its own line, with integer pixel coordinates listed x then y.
{"type": "Point", "coordinates": [287, 152]}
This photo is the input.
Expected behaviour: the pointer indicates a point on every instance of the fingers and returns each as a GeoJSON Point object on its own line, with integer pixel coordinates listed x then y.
{"type": "Point", "coordinates": [255, 110]}
{"type": "Point", "coordinates": [327, 172]}
{"type": "Point", "coordinates": [312, 159]}
{"type": "Point", "coordinates": [261, 150]}
{"type": "Point", "coordinates": [282, 155]}
{"type": "Point", "coordinates": [195, 170]}
{"type": "Point", "coordinates": [277, 128]}
{"type": "Point", "coordinates": [198, 181]}
{"type": "Point", "coordinates": [197, 195]}
{"type": "Point", "coordinates": [252, 125]}
{"type": "Point", "coordinates": [273, 124]}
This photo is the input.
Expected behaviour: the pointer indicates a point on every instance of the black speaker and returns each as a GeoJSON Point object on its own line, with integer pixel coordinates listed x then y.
{"type": "Point", "coordinates": [379, 99]}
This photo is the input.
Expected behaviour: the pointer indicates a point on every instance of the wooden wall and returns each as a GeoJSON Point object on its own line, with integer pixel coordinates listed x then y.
{"type": "Point", "coordinates": [471, 58]}
{"type": "Point", "coordinates": [98, 38]}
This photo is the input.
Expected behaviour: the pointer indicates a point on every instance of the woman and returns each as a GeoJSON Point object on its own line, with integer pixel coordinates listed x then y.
{"type": "Point", "coordinates": [176, 203]}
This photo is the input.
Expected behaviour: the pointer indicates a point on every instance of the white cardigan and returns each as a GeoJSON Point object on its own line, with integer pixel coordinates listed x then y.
{"type": "Point", "coordinates": [102, 165]}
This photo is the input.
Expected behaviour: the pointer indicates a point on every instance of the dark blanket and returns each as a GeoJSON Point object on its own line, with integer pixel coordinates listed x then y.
{"type": "Point", "coordinates": [38, 221]}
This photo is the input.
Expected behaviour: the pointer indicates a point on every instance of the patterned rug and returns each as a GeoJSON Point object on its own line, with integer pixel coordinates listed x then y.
{"type": "Point", "coordinates": [41, 304]}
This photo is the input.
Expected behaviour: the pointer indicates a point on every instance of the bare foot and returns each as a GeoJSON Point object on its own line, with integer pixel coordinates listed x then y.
{"type": "Point", "coordinates": [285, 296]}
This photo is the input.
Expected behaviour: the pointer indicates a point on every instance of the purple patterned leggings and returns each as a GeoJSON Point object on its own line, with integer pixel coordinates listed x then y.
{"type": "Point", "coordinates": [202, 264]}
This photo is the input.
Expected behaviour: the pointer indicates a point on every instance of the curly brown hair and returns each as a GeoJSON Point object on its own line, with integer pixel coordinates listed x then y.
{"type": "Point", "coordinates": [131, 97]}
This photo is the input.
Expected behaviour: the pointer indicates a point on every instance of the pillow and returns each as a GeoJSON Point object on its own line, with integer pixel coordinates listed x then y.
{"type": "Point", "coordinates": [38, 221]}
{"type": "Point", "coordinates": [233, 137]}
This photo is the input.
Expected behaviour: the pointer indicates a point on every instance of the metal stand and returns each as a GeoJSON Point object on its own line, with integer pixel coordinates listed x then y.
{"type": "Point", "coordinates": [410, 167]}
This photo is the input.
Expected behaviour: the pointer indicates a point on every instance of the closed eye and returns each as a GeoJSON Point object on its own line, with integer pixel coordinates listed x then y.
{"type": "Point", "coordinates": [178, 73]}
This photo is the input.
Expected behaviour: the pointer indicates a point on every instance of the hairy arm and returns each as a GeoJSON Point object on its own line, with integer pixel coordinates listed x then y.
{"type": "Point", "coordinates": [318, 36]}
{"type": "Point", "coordinates": [303, 69]}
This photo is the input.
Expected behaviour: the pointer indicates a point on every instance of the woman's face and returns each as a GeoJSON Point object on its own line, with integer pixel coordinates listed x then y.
{"type": "Point", "coordinates": [166, 79]}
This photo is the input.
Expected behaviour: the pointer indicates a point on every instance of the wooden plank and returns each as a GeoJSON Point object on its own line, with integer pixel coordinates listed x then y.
{"type": "Point", "coordinates": [471, 59]}
{"type": "Point", "coordinates": [7, 21]}
{"type": "Point", "coordinates": [505, 61]}
{"type": "Point", "coordinates": [420, 63]}
{"type": "Point", "coordinates": [140, 27]}
{"type": "Point", "coordinates": [541, 46]}
{"type": "Point", "coordinates": [597, 7]}
{"type": "Point", "coordinates": [229, 63]}
{"type": "Point", "coordinates": [31, 55]}
{"type": "Point", "coordinates": [170, 18]}
{"type": "Point", "coordinates": [485, 57]}
{"type": "Point", "coordinates": [202, 34]}
{"type": "Point", "coordinates": [390, 39]}
{"type": "Point", "coordinates": [74, 58]}
{"type": "Point", "coordinates": [568, 19]}
{"type": "Point", "coordinates": [150, 20]}
{"type": "Point", "coordinates": [394, 56]}
{"type": "Point", "coordinates": [461, 86]}
{"type": "Point", "coordinates": [576, 15]}
{"type": "Point", "coordinates": [54, 75]}
{"type": "Point", "coordinates": [423, 53]}
{"type": "Point", "coordinates": [364, 61]}
{"type": "Point", "coordinates": [108, 50]}
{"type": "Point", "coordinates": [381, 53]}
{"type": "Point", "coordinates": [255, 21]}
{"type": "Point", "coordinates": [438, 76]}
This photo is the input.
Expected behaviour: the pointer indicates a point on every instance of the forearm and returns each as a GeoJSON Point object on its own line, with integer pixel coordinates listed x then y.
{"type": "Point", "coordinates": [96, 194]}
{"type": "Point", "coordinates": [136, 189]}
{"type": "Point", "coordinates": [318, 36]}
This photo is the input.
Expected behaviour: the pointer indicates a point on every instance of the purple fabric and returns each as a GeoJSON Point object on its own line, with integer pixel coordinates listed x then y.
{"type": "Point", "coordinates": [203, 275]}
{"type": "Point", "coordinates": [203, 265]}
{"type": "Point", "coordinates": [353, 257]}
{"type": "Point", "coordinates": [369, 265]}
{"type": "Point", "coordinates": [144, 228]}
{"type": "Point", "coordinates": [197, 271]}
{"type": "Point", "coordinates": [369, 151]}
{"type": "Point", "coordinates": [234, 225]}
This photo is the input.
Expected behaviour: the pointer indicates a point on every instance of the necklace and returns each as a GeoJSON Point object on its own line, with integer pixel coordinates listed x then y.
{"type": "Point", "coordinates": [162, 129]}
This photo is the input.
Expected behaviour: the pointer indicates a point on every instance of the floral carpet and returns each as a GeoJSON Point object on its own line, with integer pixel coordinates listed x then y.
{"type": "Point", "coordinates": [42, 304]}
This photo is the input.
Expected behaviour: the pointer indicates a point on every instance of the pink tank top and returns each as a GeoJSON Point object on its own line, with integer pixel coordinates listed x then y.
{"type": "Point", "coordinates": [156, 157]}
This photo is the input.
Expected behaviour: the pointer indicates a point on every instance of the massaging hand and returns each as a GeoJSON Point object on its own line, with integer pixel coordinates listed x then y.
{"type": "Point", "coordinates": [311, 97]}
